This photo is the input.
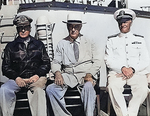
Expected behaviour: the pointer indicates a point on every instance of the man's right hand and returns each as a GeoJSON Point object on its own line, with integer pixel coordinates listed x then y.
{"type": "Point", "coordinates": [27, 81]}
{"type": "Point", "coordinates": [127, 72]}
{"type": "Point", "coordinates": [88, 77]}
{"type": "Point", "coordinates": [20, 82]}
{"type": "Point", "coordinates": [58, 78]}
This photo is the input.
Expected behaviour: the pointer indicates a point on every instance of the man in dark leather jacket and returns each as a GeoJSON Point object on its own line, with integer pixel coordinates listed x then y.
{"type": "Point", "coordinates": [25, 63]}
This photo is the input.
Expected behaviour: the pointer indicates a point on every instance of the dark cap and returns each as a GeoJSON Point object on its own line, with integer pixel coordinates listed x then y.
{"type": "Point", "coordinates": [22, 20]}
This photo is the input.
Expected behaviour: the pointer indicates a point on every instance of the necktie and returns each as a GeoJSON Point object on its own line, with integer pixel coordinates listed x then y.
{"type": "Point", "coordinates": [76, 50]}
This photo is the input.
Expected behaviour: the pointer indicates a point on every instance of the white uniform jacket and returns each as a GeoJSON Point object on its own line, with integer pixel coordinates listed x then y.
{"type": "Point", "coordinates": [89, 60]}
{"type": "Point", "coordinates": [127, 50]}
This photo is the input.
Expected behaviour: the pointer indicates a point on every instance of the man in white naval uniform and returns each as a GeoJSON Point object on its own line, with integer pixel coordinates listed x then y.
{"type": "Point", "coordinates": [77, 68]}
{"type": "Point", "coordinates": [127, 59]}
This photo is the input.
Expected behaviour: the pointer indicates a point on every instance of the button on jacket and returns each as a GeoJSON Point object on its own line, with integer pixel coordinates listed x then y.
{"type": "Point", "coordinates": [24, 62]}
{"type": "Point", "coordinates": [127, 50]}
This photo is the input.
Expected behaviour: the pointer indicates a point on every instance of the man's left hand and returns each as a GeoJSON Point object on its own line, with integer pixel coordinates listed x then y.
{"type": "Point", "coordinates": [128, 72]}
{"type": "Point", "coordinates": [34, 78]}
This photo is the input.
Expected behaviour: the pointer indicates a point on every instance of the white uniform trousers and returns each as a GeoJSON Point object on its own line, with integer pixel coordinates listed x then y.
{"type": "Point", "coordinates": [56, 95]}
{"type": "Point", "coordinates": [37, 99]}
{"type": "Point", "coordinates": [139, 87]}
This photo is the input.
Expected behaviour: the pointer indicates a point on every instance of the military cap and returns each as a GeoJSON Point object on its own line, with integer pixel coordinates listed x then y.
{"type": "Point", "coordinates": [124, 14]}
{"type": "Point", "coordinates": [22, 20]}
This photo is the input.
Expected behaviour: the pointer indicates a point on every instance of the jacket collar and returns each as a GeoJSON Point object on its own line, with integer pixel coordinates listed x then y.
{"type": "Point", "coordinates": [125, 34]}
{"type": "Point", "coordinates": [19, 40]}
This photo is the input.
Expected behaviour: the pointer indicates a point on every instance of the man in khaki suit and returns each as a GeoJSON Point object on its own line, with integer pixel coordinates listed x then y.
{"type": "Point", "coordinates": [127, 59]}
{"type": "Point", "coordinates": [26, 64]}
{"type": "Point", "coordinates": [80, 63]}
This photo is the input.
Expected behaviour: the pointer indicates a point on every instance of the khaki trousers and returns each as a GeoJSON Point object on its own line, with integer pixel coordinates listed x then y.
{"type": "Point", "coordinates": [139, 87]}
{"type": "Point", "coordinates": [37, 99]}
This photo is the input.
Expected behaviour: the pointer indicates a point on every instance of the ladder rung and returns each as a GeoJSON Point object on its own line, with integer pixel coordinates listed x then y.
{"type": "Point", "coordinates": [6, 25]}
{"type": "Point", "coordinates": [73, 91]}
{"type": "Point", "coordinates": [73, 105]}
{"type": "Point", "coordinates": [126, 94]}
{"type": "Point", "coordinates": [72, 97]}
{"type": "Point", "coordinates": [22, 100]}
{"type": "Point", "coordinates": [22, 108]}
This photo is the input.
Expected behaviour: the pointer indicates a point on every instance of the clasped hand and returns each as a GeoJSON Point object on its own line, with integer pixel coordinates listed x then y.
{"type": "Point", "coordinates": [127, 72]}
{"type": "Point", "coordinates": [23, 82]}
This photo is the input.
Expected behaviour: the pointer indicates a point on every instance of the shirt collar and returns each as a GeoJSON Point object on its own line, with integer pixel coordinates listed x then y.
{"type": "Point", "coordinates": [76, 40]}
{"type": "Point", "coordinates": [27, 40]}
{"type": "Point", "coordinates": [125, 34]}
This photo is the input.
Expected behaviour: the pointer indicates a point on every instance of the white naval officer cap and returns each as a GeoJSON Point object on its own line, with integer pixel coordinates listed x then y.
{"type": "Point", "coordinates": [124, 14]}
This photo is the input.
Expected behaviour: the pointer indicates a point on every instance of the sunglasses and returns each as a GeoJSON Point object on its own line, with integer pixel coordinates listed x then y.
{"type": "Point", "coordinates": [25, 28]}
{"type": "Point", "coordinates": [75, 26]}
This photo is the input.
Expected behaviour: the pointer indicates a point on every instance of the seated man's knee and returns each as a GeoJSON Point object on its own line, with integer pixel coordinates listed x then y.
{"type": "Point", "coordinates": [88, 86]}
{"type": "Point", "coordinates": [38, 90]}
{"type": "Point", "coordinates": [4, 90]}
{"type": "Point", "coordinates": [143, 89]}
{"type": "Point", "coordinates": [6, 93]}
{"type": "Point", "coordinates": [114, 86]}
{"type": "Point", "coordinates": [50, 88]}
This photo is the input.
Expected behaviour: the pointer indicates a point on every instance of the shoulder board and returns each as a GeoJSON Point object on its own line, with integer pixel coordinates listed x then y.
{"type": "Point", "coordinates": [113, 36]}
{"type": "Point", "coordinates": [138, 35]}
{"type": "Point", "coordinates": [80, 35]}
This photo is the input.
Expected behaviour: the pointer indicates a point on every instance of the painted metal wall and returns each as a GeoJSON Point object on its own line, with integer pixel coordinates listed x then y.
{"type": "Point", "coordinates": [99, 26]}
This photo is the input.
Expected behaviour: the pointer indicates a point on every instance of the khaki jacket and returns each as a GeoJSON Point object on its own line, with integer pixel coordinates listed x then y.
{"type": "Point", "coordinates": [73, 72]}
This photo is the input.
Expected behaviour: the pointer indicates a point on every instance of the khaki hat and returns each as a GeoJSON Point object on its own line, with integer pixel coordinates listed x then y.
{"type": "Point", "coordinates": [124, 13]}
{"type": "Point", "coordinates": [74, 18]}
{"type": "Point", "coordinates": [22, 20]}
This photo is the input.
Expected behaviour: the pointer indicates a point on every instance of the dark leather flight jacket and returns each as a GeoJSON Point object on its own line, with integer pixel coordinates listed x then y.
{"type": "Point", "coordinates": [24, 62]}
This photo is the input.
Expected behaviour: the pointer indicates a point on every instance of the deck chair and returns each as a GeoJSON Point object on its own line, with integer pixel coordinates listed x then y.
{"type": "Point", "coordinates": [148, 103]}
{"type": "Point", "coordinates": [22, 105]}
